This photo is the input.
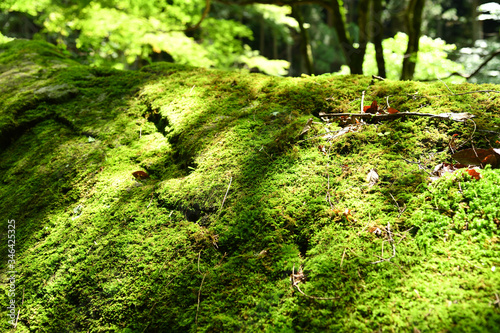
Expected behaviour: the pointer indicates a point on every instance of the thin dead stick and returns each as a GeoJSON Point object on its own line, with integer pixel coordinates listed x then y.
{"type": "Point", "coordinates": [343, 255]}
{"type": "Point", "coordinates": [419, 166]}
{"type": "Point", "coordinates": [199, 293]}
{"type": "Point", "coordinates": [150, 201]}
{"type": "Point", "coordinates": [201, 285]}
{"type": "Point", "coordinates": [451, 92]}
{"type": "Point", "coordinates": [362, 101]}
{"type": "Point", "coordinates": [300, 275]}
{"type": "Point", "coordinates": [471, 136]}
{"type": "Point", "coordinates": [497, 301]}
{"type": "Point", "coordinates": [18, 312]}
{"type": "Point", "coordinates": [477, 91]}
{"type": "Point", "coordinates": [449, 116]}
{"type": "Point", "coordinates": [225, 196]}
{"type": "Point", "coordinates": [473, 264]}
{"type": "Point", "coordinates": [391, 240]}
{"type": "Point", "coordinates": [400, 210]}
{"type": "Point", "coordinates": [328, 174]}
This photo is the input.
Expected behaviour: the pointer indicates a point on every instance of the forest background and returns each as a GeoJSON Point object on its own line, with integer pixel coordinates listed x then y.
{"type": "Point", "coordinates": [278, 37]}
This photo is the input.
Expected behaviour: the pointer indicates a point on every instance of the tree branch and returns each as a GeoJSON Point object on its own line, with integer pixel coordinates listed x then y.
{"type": "Point", "coordinates": [203, 16]}
{"type": "Point", "coordinates": [484, 63]}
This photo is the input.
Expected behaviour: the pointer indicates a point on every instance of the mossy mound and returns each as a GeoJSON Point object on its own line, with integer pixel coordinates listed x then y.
{"type": "Point", "coordinates": [236, 200]}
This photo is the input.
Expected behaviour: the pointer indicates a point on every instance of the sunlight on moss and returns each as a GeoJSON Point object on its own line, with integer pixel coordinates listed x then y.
{"type": "Point", "coordinates": [238, 197]}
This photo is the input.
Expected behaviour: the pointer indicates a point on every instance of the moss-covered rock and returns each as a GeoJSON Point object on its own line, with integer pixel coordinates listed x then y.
{"type": "Point", "coordinates": [231, 200]}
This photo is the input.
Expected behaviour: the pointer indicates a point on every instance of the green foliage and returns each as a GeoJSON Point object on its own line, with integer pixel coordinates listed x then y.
{"type": "Point", "coordinates": [4, 39]}
{"type": "Point", "coordinates": [120, 33]}
{"type": "Point", "coordinates": [432, 62]}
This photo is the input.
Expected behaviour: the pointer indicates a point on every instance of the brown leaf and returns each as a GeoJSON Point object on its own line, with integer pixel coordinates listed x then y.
{"type": "Point", "coordinates": [478, 156]}
{"type": "Point", "coordinates": [140, 175]}
{"type": "Point", "coordinates": [392, 111]}
{"type": "Point", "coordinates": [372, 108]}
{"type": "Point", "coordinates": [474, 174]}
{"type": "Point", "coordinates": [307, 126]}
{"type": "Point", "coordinates": [375, 230]}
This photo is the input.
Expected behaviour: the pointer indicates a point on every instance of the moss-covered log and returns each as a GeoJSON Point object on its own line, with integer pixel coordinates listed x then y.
{"type": "Point", "coordinates": [179, 199]}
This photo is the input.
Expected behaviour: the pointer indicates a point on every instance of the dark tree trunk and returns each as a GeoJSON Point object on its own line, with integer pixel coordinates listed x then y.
{"type": "Point", "coordinates": [353, 55]}
{"type": "Point", "coordinates": [414, 21]}
{"type": "Point", "coordinates": [305, 41]}
{"type": "Point", "coordinates": [378, 35]}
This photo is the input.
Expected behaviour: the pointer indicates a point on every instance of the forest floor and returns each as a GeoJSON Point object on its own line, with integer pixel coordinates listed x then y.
{"type": "Point", "coordinates": [180, 199]}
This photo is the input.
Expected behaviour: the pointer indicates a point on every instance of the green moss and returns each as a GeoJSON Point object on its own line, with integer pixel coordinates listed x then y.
{"type": "Point", "coordinates": [236, 200]}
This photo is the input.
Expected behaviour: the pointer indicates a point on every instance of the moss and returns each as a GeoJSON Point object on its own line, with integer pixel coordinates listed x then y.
{"type": "Point", "coordinates": [236, 199]}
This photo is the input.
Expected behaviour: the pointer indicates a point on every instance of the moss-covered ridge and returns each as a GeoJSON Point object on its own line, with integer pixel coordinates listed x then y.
{"type": "Point", "coordinates": [236, 200]}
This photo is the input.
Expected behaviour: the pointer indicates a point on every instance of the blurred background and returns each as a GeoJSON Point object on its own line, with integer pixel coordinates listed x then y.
{"type": "Point", "coordinates": [453, 40]}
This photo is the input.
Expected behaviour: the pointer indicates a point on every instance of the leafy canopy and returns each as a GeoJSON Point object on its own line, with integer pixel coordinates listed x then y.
{"type": "Point", "coordinates": [121, 32]}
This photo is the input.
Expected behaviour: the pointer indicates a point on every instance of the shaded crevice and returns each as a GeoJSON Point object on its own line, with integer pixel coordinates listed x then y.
{"type": "Point", "coordinates": [12, 133]}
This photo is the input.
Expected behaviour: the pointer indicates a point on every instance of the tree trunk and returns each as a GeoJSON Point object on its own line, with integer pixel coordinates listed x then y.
{"type": "Point", "coordinates": [364, 36]}
{"type": "Point", "coordinates": [378, 35]}
{"type": "Point", "coordinates": [305, 41]}
{"type": "Point", "coordinates": [414, 19]}
{"type": "Point", "coordinates": [353, 56]}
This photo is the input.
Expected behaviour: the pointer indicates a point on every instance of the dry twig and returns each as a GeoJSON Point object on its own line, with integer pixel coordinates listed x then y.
{"type": "Point", "coordinates": [400, 210]}
{"type": "Point", "coordinates": [449, 115]}
{"type": "Point", "coordinates": [300, 277]}
{"type": "Point", "coordinates": [225, 196]}
{"type": "Point", "coordinates": [391, 240]}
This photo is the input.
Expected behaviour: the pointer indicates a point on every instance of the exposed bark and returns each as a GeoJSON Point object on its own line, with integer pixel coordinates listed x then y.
{"type": "Point", "coordinates": [414, 20]}
{"type": "Point", "coordinates": [378, 34]}
{"type": "Point", "coordinates": [305, 41]}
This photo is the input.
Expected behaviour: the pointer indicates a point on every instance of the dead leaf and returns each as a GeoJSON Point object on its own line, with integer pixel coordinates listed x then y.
{"type": "Point", "coordinates": [372, 108]}
{"type": "Point", "coordinates": [372, 177]}
{"type": "Point", "coordinates": [322, 149]}
{"type": "Point", "coordinates": [140, 175]}
{"type": "Point", "coordinates": [392, 111]}
{"type": "Point", "coordinates": [478, 156]}
{"type": "Point", "coordinates": [474, 174]}
{"type": "Point", "coordinates": [375, 230]}
{"type": "Point", "coordinates": [307, 127]}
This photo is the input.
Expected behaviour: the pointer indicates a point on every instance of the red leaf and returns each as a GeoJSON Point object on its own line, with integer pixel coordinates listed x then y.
{"type": "Point", "coordinates": [140, 175]}
{"type": "Point", "coordinates": [392, 111]}
{"type": "Point", "coordinates": [474, 174]}
{"type": "Point", "coordinates": [372, 108]}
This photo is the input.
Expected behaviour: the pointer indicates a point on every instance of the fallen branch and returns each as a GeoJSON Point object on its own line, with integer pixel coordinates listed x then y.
{"type": "Point", "coordinates": [448, 115]}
